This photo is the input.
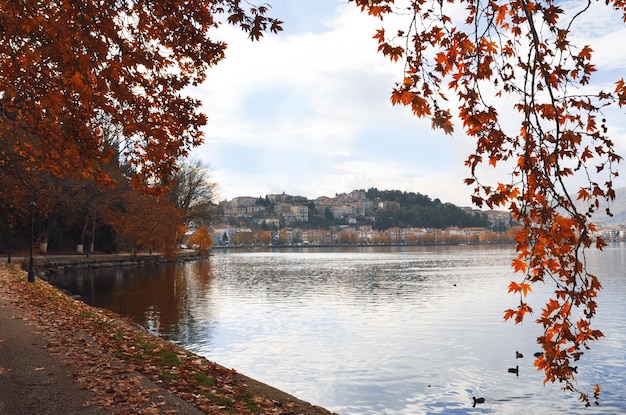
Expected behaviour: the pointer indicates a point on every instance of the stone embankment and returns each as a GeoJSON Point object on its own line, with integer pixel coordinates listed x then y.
{"type": "Point", "coordinates": [51, 264]}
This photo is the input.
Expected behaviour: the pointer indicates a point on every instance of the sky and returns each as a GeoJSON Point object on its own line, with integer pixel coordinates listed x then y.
{"type": "Point", "coordinates": [307, 112]}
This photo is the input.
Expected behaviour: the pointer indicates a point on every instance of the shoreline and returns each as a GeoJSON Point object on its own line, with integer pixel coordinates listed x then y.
{"type": "Point", "coordinates": [124, 348]}
{"type": "Point", "coordinates": [46, 264]}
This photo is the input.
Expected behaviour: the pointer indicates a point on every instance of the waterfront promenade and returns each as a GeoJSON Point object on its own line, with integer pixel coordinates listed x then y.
{"type": "Point", "coordinates": [61, 356]}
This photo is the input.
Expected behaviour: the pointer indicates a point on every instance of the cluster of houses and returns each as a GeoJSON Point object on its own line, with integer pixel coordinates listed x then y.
{"type": "Point", "coordinates": [273, 217]}
{"type": "Point", "coordinates": [271, 221]}
{"type": "Point", "coordinates": [361, 235]}
{"type": "Point", "coordinates": [289, 209]}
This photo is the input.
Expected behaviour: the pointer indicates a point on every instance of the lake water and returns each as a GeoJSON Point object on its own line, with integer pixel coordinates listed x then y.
{"type": "Point", "coordinates": [399, 330]}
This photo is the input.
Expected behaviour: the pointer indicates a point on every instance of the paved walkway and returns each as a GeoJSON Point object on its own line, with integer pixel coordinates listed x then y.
{"type": "Point", "coordinates": [32, 379]}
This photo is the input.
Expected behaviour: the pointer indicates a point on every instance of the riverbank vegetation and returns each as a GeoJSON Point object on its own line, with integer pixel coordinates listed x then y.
{"type": "Point", "coordinates": [72, 215]}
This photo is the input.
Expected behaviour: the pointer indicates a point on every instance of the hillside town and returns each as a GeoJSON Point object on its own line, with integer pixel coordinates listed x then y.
{"type": "Point", "coordinates": [351, 218]}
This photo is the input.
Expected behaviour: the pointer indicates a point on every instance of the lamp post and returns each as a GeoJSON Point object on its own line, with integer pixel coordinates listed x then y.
{"type": "Point", "coordinates": [9, 256]}
{"type": "Point", "coordinates": [31, 267]}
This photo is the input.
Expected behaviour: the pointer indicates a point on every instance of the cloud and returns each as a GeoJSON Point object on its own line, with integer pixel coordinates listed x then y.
{"type": "Point", "coordinates": [307, 112]}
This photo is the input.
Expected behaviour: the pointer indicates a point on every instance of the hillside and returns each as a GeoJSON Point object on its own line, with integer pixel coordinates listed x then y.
{"type": "Point", "coordinates": [418, 210]}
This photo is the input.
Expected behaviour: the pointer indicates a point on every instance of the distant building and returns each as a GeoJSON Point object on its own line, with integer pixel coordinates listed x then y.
{"type": "Point", "coordinates": [278, 198]}
{"type": "Point", "coordinates": [243, 202]}
{"type": "Point", "coordinates": [301, 212]}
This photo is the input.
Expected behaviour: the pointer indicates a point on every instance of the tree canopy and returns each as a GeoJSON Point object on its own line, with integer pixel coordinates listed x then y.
{"type": "Point", "coordinates": [64, 64]}
{"type": "Point", "coordinates": [417, 210]}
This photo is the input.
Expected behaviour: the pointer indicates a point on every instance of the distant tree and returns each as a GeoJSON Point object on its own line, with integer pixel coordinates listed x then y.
{"type": "Point", "coordinates": [427, 239]}
{"type": "Point", "coordinates": [473, 238]}
{"type": "Point", "coordinates": [266, 237]}
{"type": "Point", "coordinates": [244, 237]}
{"type": "Point", "coordinates": [423, 213]}
{"type": "Point", "coordinates": [283, 238]}
{"type": "Point", "coordinates": [384, 238]}
{"type": "Point", "coordinates": [489, 237]}
{"type": "Point", "coordinates": [202, 241]}
{"type": "Point", "coordinates": [343, 237]}
{"type": "Point", "coordinates": [402, 197]}
{"type": "Point", "coordinates": [192, 191]}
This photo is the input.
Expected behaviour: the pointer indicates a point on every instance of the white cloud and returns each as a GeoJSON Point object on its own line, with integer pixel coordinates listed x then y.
{"type": "Point", "coordinates": [308, 113]}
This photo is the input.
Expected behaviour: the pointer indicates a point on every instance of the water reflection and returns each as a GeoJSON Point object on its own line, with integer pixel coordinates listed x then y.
{"type": "Point", "coordinates": [369, 331]}
{"type": "Point", "coordinates": [159, 297]}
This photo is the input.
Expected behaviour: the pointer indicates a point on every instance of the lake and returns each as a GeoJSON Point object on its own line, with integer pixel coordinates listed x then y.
{"type": "Point", "coordinates": [395, 330]}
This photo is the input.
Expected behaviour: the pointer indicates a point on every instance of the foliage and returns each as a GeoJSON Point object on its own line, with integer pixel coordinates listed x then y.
{"type": "Point", "coordinates": [405, 199]}
{"type": "Point", "coordinates": [417, 210]}
{"type": "Point", "coordinates": [66, 65]}
{"type": "Point", "coordinates": [346, 237]}
{"type": "Point", "coordinates": [151, 223]}
{"type": "Point", "coordinates": [439, 216]}
{"type": "Point", "coordinates": [265, 238]}
{"type": "Point", "coordinates": [202, 241]}
{"type": "Point", "coordinates": [244, 237]}
{"type": "Point", "coordinates": [520, 52]}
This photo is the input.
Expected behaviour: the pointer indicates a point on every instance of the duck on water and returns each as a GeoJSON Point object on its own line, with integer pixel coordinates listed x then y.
{"type": "Point", "coordinates": [477, 400]}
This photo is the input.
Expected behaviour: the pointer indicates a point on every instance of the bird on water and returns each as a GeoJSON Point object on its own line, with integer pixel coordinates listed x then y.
{"type": "Point", "coordinates": [518, 355]}
{"type": "Point", "coordinates": [477, 400]}
{"type": "Point", "coordinates": [514, 370]}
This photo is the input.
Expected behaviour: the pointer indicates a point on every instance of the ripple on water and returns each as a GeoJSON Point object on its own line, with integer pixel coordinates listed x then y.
{"type": "Point", "coordinates": [404, 331]}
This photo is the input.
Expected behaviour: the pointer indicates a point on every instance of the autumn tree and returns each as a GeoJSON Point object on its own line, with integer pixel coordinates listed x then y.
{"type": "Point", "coordinates": [64, 64]}
{"type": "Point", "coordinates": [148, 222]}
{"type": "Point", "coordinates": [384, 238]}
{"type": "Point", "coordinates": [265, 238]}
{"type": "Point", "coordinates": [488, 237]}
{"type": "Point", "coordinates": [427, 238]}
{"type": "Point", "coordinates": [343, 237]}
{"type": "Point", "coordinates": [411, 238]}
{"type": "Point", "coordinates": [244, 237]}
{"type": "Point", "coordinates": [201, 240]}
{"type": "Point", "coordinates": [512, 76]}
{"type": "Point", "coordinates": [284, 237]}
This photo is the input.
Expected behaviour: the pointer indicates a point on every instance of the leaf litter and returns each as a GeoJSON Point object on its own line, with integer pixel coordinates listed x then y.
{"type": "Point", "coordinates": [110, 357]}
